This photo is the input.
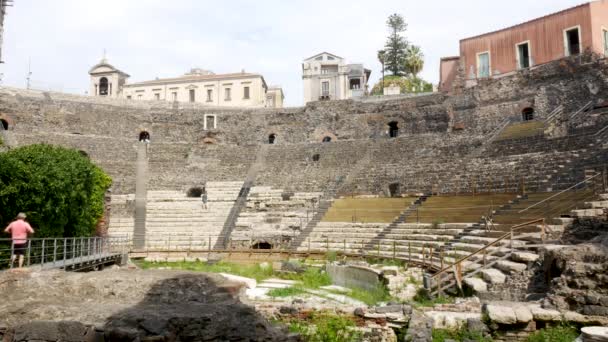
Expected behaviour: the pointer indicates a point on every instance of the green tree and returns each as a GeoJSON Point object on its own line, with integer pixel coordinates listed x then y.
{"type": "Point", "coordinates": [406, 84]}
{"type": "Point", "coordinates": [414, 61]}
{"type": "Point", "coordinates": [60, 190]}
{"type": "Point", "coordinates": [396, 45]}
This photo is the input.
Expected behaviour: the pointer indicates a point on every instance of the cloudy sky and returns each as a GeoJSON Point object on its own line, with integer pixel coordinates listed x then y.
{"type": "Point", "coordinates": [165, 38]}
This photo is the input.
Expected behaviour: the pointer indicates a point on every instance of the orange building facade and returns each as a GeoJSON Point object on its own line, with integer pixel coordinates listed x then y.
{"type": "Point", "coordinates": [579, 29]}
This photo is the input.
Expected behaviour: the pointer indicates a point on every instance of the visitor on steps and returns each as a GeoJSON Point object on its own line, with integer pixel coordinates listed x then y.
{"type": "Point", "coordinates": [204, 197]}
{"type": "Point", "coordinates": [19, 230]}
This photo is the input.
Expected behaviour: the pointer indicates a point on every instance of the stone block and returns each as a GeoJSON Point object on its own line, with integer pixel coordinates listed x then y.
{"type": "Point", "coordinates": [478, 285]}
{"type": "Point", "coordinates": [501, 314]}
{"type": "Point", "coordinates": [493, 276]}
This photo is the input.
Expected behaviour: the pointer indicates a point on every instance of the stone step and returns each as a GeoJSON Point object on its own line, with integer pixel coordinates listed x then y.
{"type": "Point", "coordinates": [493, 276]}
{"type": "Point", "coordinates": [596, 205]}
{"type": "Point", "coordinates": [510, 266]}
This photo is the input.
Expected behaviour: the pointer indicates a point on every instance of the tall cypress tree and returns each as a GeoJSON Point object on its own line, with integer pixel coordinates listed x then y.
{"type": "Point", "coordinates": [396, 45]}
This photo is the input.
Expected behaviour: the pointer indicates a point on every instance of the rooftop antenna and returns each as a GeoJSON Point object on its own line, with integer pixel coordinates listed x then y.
{"type": "Point", "coordinates": [29, 74]}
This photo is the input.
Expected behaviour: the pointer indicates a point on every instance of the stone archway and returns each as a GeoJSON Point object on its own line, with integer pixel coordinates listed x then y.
{"type": "Point", "coordinates": [272, 138]}
{"type": "Point", "coordinates": [144, 136]}
{"type": "Point", "coordinates": [527, 114]}
{"type": "Point", "coordinates": [4, 124]}
{"type": "Point", "coordinates": [261, 245]}
{"type": "Point", "coordinates": [394, 189]}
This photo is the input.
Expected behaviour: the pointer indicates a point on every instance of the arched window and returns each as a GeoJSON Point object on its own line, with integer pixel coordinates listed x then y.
{"type": "Point", "coordinates": [144, 136]}
{"type": "Point", "coordinates": [527, 114]}
{"type": "Point", "coordinates": [327, 139]}
{"type": "Point", "coordinates": [103, 86]}
{"type": "Point", "coordinates": [393, 129]}
{"type": "Point", "coordinates": [272, 138]}
{"type": "Point", "coordinates": [4, 124]}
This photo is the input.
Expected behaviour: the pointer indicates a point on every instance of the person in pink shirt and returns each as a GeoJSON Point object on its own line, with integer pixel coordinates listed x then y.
{"type": "Point", "coordinates": [19, 230]}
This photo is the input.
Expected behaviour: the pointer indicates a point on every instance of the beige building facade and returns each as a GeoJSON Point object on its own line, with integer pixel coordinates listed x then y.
{"type": "Point", "coordinates": [243, 90]}
{"type": "Point", "coordinates": [328, 77]}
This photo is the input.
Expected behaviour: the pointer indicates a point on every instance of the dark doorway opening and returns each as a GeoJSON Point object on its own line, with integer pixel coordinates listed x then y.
{"type": "Point", "coordinates": [272, 138]}
{"type": "Point", "coordinates": [144, 136]}
{"type": "Point", "coordinates": [103, 86]}
{"type": "Point", "coordinates": [393, 129]}
{"type": "Point", "coordinates": [395, 189]}
{"type": "Point", "coordinates": [83, 153]}
{"type": "Point", "coordinates": [195, 192]}
{"type": "Point", "coordinates": [528, 114]}
{"type": "Point", "coordinates": [327, 139]}
{"type": "Point", "coordinates": [261, 245]}
{"type": "Point", "coordinates": [316, 157]}
{"type": "Point", "coordinates": [4, 124]}
{"type": "Point", "coordinates": [573, 41]}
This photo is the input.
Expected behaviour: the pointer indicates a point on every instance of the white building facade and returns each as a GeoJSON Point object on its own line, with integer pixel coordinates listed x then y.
{"type": "Point", "coordinates": [328, 77]}
{"type": "Point", "coordinates": [245, 90]}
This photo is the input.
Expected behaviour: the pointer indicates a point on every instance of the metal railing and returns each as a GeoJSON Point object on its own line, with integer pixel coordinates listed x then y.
{"type": "Point", "coordinates": [61, 252]}
{"type": "Point", "coordinates": [457, 266]}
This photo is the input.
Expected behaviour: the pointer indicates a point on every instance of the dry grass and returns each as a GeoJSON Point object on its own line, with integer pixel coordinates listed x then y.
{"type": "Point", "coordinates": [373, 210]}
{"type": "Point", "coordinates": [458, 209]}
{"type": "Point", "coordinates": [522, 130]}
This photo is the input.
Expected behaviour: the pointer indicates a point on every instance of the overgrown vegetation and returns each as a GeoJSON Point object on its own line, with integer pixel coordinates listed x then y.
{"type": "Point", "coordinates": [462, 334]}
{"type": "Point", "coordinates": [560, 333]}
{"type": "Point", "coordinates": [371, 297]}
{"type": "Point", "coordinates": [312, 278]}
{"type": "Point", "coordinates": [60, 190]}
{"type": "Point", "coordinates": [286, 292]}
{"type": "Point", "coordinates": [423, 299]}
{"type": "Point", "coordinates": [325, 327]}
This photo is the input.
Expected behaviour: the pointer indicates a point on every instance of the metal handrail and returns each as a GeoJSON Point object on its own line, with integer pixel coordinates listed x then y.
{"type": "Point", "coordinates": [510, 233]}
{"type": "Point", "coordinates": [559, 193]}
{"type": "Point", "coordinates": [585, 107]}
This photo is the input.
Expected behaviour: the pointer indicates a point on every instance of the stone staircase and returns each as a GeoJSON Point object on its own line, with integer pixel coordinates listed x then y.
{"type": "Point", "coordinates": [402, 240]}
{"type": "Point", "coordinates": [141, 189]}
{"type": "Point", "coordinates": [505, 268]}
{"type": "Point", "coordinates": [272, 213]}
{"type": "Point", "coordinates": [241, 201]}
{"type": "Point", "coordinates": [322, 207]}
{"type": "Point", "coordinates": [177, 222]}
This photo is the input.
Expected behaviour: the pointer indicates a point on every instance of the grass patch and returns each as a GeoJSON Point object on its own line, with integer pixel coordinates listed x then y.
{"type": "Point", "coordinates": [325, 327]}
{"type": "Point", "coordinates": [386, 262]}
{"type": "Point", "coordinates": [250, 271]}
{"type": "Point", "coordinates": [423, 299]}
{"type": "Point", "coordinates": [286, 292]}
{"type": "Point", "coordinates": [313, 278]}
{"type": "Point", "coordinates": [462, 334]}
{"type": "Point", "coordinates": [371, 297]}
{"type": "Point", "coordinates": [560, 333]}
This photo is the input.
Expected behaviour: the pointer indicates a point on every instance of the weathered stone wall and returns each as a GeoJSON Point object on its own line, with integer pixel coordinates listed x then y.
{"type": "Point", "coordinates": [429, 153]}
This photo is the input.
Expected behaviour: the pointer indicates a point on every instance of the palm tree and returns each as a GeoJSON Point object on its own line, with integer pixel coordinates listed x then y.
{"type": "Point", "coordinates": [414, 61]}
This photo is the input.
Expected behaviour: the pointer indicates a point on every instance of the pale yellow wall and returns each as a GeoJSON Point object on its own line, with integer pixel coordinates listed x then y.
{"type": "Point", "coordinates": [257, 92]}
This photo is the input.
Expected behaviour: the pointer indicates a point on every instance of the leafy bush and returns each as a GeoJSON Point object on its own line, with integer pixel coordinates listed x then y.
{"type": "Point", "coordinates": [60, 190]}
{"type": "Point", "coordinates": [407, 85]}
{"type": "Point", "coordinates": [560, 333]}
{"type": "Point", "coordinates": [462, 334]}
{"type": "Point", "coordinates": [371, 297]}
{"type": "Point", "coordinates": [326, 327]}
